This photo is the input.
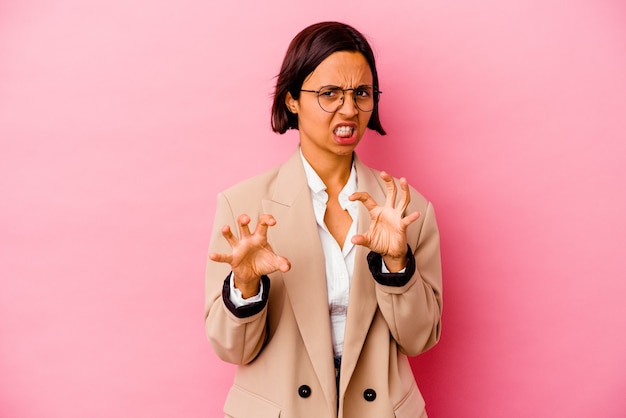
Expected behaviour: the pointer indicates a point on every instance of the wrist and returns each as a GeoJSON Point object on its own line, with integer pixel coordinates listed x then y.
{"type": "Point", "coordinates": [247, 309]}
{"type": "Point", "coordinates": [394, 264]}
{"type": "Point", "coordinates": [249, 288]}
{"type": "Point", "coordinates": [398, 279]}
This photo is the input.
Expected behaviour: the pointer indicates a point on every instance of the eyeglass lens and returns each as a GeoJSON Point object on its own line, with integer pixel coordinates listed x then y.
{"type": "Point", "coordinates": [331, 98]}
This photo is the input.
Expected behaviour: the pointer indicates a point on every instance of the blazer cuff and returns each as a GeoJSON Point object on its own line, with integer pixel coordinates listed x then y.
{"type": "Point", "coordinates": [249, 309]}
{"type": "Point", "coordinates": [375, 262]}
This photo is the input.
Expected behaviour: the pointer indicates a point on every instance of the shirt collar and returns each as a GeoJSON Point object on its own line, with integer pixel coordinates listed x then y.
{"type": "Point", "coordinates": [317, 185]}
{"type": "Point", "coordinates": [315, 182]}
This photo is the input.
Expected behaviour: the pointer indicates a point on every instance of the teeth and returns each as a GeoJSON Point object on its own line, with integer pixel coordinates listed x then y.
{"type": "Point", "coordinates": [344, 131]}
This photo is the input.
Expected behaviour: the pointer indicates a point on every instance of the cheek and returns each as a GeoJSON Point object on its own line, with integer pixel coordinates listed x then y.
{"type": "Point", "coordinates": [319, 117]}
{"type": "Point", "coordinates": [314, 121]}
{"type": "Point", "coordinates": [364, 121]}
{"type": "Point", "coordinates": [309, 111]}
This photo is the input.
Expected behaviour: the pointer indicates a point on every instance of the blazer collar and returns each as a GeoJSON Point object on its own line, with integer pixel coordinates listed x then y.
{"type": "Point", "coordinates": [295, 234]}
{"type": "Point", "coordinates": [362, 304]}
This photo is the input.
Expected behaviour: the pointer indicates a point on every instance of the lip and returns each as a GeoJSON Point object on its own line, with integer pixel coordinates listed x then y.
{"type": "Point", "coordinates": [347, 140]}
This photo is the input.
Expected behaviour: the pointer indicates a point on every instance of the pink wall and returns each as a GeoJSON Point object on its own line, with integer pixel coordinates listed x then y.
{"type": "Point", "coordinates": [120, 121]}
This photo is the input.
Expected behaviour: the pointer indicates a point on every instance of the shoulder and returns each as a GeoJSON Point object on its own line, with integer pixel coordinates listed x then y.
{"type": "Point", "coordinates": [279, 182]}
{"type": "Point", "coordinates": [372, 176]}
{"type": "Point", "coordinates": [261, 184]}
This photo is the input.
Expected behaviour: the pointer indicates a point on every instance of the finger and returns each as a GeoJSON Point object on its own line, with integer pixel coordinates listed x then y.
{"type": "Point", "coordinates": [360, 239]}
{"type": "Point", "coordinates": [391, 189]}
{"type": "Point", "coordinates": [265, 221]}
{"type": "Point", "coordinates": [228, 234]}
{"type": "Point", "coordinates": [364, 198]}
{"type": "Point", "coordinates": [409, 219]}
{"type": "Point", "coordinates": [283, 264]}
{"type": "Point", "coordinates": [405, 196]}
{"type": "Point", "coordinates": [221, 258]}
{"type": "Point", "coordinates": [243, 221]}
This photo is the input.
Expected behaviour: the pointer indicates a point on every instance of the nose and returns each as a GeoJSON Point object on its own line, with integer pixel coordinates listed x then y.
{"type": "Point", "coordinates": [348, 104]}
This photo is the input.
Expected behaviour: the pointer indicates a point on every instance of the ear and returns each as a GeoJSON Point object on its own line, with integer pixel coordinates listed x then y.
{"type": "Point", "coordinates": [291, 103]}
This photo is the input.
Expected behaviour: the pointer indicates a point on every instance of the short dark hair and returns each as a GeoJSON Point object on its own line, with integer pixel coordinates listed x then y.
{"type": "Point", "coordinates": [306, 51]}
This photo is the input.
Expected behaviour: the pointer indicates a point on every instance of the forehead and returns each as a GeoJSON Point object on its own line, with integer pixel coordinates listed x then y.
{"type": "Point", "coordinates": [343, 68]}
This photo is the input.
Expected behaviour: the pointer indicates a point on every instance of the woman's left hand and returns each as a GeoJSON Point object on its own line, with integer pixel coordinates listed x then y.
{"type": "Point", "coordinates": [387, 232]}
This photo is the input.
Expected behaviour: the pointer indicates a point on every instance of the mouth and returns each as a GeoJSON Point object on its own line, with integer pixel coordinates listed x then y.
{"type": "Point", "coordinates": [344, 131]}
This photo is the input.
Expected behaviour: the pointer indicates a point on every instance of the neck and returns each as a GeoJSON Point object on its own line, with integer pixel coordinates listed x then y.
{"type": "Point", "coordinates": [333, 169]}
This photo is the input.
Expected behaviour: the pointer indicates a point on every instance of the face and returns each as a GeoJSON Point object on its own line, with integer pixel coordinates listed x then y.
{"type": "Point", "coordinates": [323, 134]}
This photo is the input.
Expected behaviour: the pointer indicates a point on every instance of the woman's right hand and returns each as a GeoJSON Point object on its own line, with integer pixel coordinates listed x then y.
{"type": "Point", "coordinates": [252, 255]}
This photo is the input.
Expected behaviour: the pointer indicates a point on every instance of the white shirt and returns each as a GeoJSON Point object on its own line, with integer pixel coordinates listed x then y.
{"type": "Point", "coordinates": [339, 260]}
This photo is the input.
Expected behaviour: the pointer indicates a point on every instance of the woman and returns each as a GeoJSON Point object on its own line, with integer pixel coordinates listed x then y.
{"type": "Point", "coordinates": [334, 276]}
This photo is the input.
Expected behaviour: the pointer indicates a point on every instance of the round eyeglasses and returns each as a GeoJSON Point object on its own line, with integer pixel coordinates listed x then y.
{"type": "Point", "coordinates": [330, 98]}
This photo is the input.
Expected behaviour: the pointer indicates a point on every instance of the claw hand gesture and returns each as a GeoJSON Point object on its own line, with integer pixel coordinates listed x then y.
{"type": "Point", "coordinates": [252, 255]}
{"type": "Point", "coordinates": [387, 231]}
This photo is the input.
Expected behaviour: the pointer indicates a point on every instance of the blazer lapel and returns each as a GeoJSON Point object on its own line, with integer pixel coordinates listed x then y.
{"type": "Point", "coordinates": [362, 304]}
{"type": "Point", "coordinates": [295, 234]}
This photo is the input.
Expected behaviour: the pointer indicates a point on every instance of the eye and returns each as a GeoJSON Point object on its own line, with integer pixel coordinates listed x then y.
{"type": "Point", "coordinates": [363, 92]}
{"type": "Point", "coordinates": [330, 92]}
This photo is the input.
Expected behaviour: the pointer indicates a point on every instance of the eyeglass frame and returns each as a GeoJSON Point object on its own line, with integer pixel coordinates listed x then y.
{"type": "Point", "coordinates": [375, 92]}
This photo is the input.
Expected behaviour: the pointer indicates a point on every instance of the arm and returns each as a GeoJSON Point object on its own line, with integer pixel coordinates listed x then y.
{"type": "Point", "coordinates": [411, 301]}
{"type": "Point", "coordinates": [238, 334]}
{"type": "Point", "coordinates": [413, 309]}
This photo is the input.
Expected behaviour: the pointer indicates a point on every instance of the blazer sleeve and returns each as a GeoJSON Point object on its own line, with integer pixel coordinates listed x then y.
{"type": "Point", "coordinates": [413, 310]}
{"type": "Point", "coordinates": [236, 338]}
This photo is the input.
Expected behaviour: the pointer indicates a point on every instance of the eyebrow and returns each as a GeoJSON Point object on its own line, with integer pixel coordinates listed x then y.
{"type": "Point", "coordinates": [338, 87]}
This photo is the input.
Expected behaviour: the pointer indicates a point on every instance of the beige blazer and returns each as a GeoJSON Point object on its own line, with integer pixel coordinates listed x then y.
{"type": "Point", "coordinates": [284, 353]}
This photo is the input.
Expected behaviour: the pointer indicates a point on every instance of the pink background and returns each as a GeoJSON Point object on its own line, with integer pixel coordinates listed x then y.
{"type": "Point", "coordinates": [120, 121]}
